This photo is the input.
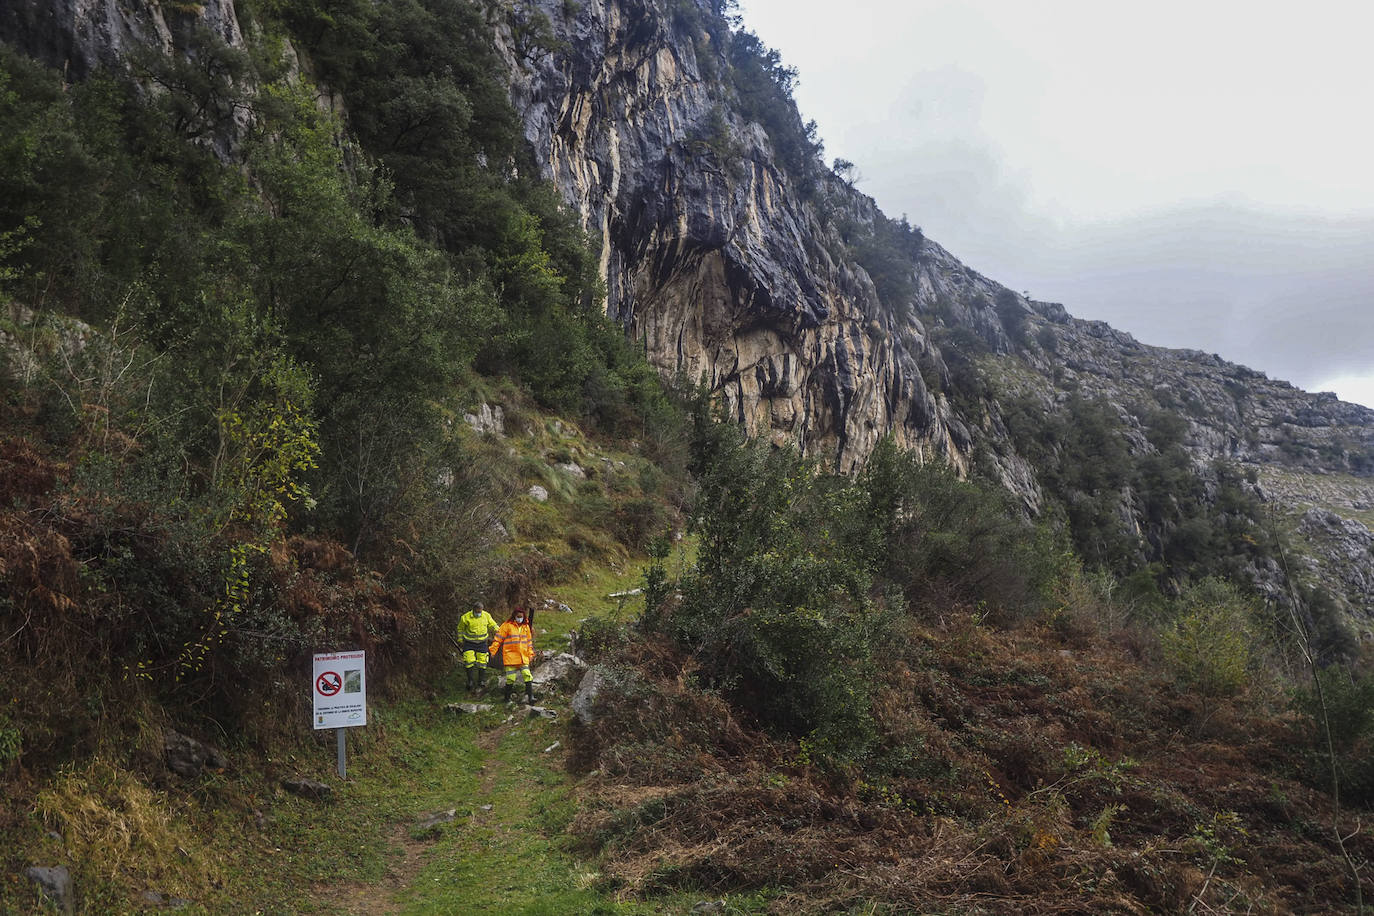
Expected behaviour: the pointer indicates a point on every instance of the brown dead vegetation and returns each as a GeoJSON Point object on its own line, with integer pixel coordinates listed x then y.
{"type": "Point", "coordinates": [90, 584]}
{"type": "Point", "coordinates": [1015, 776]}
{"type": "Point", "coordinates": [320, 579]}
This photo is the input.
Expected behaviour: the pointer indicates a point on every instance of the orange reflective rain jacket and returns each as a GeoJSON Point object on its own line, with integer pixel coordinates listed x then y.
{"type": "Point", "coordinates": [516, 642]}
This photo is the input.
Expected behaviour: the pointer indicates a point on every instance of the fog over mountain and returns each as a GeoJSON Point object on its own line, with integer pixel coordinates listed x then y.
{"type": "Point", "coordinates": [1197, 187]}
{"type": "Point", "coordinates": [1289, 295]}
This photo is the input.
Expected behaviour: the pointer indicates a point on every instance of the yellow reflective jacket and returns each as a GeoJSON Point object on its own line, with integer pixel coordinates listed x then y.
{"type": "Point", "coordinates": [516, 641]}
{"type": "Point", "coordinates": [476, 626]}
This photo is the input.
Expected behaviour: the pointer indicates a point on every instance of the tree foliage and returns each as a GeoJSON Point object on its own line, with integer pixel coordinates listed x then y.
{"type": "Point", "coordinates": [1196, 521]}
{"type": "Point", "coordinates": [1208, 647]}
{"type": "Point", "coordinates": [802, 573]}
{"type": "Point", "coordinates": [290, 303]}
{"type": "Point", "coordinates": [889, 250]}
{"type": "Point", "coordinates": [763, 88]}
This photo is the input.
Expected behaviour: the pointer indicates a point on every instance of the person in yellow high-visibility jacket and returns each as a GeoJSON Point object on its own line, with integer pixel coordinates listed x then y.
{"type": "Point", "coordinates": [475, 629]}
{"type": "Point", "coordinates": [515, 642]}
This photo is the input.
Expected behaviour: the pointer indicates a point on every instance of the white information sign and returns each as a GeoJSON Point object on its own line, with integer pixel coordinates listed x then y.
{"type": "Point", "coordinates": [340, 689]}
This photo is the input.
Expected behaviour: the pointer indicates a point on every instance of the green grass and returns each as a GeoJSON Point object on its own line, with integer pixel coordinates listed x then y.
{"type": "Point", "coordinates": [512, 859]}
{"type": "Point", "coordinates": [581, 535]}
{"type": "Point", "coordinates": [589, 593]}
{"type": "Point", "coordinates": [250, 847]}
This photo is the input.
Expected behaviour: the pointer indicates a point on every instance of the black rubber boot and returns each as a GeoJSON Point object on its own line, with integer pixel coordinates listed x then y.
{"type": "Point", "coordinates": [481, 679]}
{"type": "Point", "coordinates": [507, 692]}
{"type": "Point", "coordinates": [471, 680]}
{"type": "Point", "coordinates": [529, 694]}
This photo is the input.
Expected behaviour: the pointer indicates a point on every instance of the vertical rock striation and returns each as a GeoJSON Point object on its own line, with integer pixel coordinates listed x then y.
{"type": "Point", "coordinates": [712, 257]}
{"type": "Point", "coordinates": [80, 36]}
{"type": "Point", "coordinates": [727, 270]}
{"type": "Point", "coordinates": [730, 267]}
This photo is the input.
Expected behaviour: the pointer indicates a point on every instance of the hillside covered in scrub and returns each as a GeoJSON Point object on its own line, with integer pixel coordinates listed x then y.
{"type": "Point", "coordinates": [321, 321]}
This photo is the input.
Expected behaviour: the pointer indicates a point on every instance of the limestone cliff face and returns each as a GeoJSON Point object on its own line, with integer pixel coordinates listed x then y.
{"type": "Point", "coordinates": [711, 255]}
{"type": "Point", "coordinates": [725, 269]}
{"type": "Point", "coordinates": [80, 36]}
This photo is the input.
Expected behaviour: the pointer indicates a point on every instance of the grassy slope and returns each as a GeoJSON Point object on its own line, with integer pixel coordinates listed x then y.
{"type": "Point", "coordinates": [1046, 776]}
{"type": "Point", "coordinates": [236, 843]}
{"type": "Point", "coordinates": [1343, 494]}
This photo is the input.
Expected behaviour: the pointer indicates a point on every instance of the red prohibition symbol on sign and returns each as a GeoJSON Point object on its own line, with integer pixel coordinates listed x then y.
{"type": "Point", "coordinates": [329, 683]}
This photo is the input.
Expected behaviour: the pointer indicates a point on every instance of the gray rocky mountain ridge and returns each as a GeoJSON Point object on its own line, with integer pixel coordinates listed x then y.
{"type": "Point", "coordinates": [728, 269]}
{"type": "Point", "coordinates": [735, 274]}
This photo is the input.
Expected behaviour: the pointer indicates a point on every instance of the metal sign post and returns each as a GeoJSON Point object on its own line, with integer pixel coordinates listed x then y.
{"type": "Point", "coordinates": [340, 694]}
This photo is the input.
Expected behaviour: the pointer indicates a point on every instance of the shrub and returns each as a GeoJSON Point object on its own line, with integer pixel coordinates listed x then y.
{"type": "Point", "coordinates": [1013, 316]}
{"type": "Point", "coordinates": [1345, 711]}
{"type": "Point", "coordinates": [1048, 339]}
{"type": "Point", "coordinates": [801, 572]}
{"type": "Point", "coordinates": [1349, 705]}
{"type": "Point", "coordinates": [1208, 648]}
{"type": "Point", "coordinates": [888, 249]}
{"type": "Point", "coordinates": [939, 538]}
{"type": "Point", "coordinates": [763, 88]}
{"type": "Point", "coordinates": [776, 612]}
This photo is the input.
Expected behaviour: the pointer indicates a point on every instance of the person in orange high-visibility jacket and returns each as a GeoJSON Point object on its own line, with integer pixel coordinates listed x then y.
{"type": "Point", "coordinates": [515, 642]}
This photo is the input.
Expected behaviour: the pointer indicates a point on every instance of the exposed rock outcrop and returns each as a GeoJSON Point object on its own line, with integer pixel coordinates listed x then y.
{"type": "Point", "coordinates": [56, 885]}
{"type": "Point", "coordinates": [732, 267]}
{"type": "Point", "coordinates": [711, 254]}
{"type": "Point", "coordinates": [79, 36]}
{"type": "Point", "coordinates": [188, 757]}
{"type": "Point", "coordinates": [588, 691]}
{"type": "Point", "coordinates": [1347, 555]}
{"type": "Point", "coordinates": [563, 667]}
{"type": "Point", "coordinates": [728, 271]}
{"type": "Point", "coordinates": [305, 787]}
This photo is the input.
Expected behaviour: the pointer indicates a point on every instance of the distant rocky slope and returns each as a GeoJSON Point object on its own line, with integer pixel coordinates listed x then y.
{"type": "Point", "coordinates": [729, 267]}
{"type": "Point", "coordinates": [731, 263]}
{"type": "Point", "coordinates": [723, 267]}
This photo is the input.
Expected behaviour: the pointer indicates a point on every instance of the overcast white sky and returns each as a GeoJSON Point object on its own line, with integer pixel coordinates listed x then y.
{"type": "Point", "coordinates": [1199, 173]}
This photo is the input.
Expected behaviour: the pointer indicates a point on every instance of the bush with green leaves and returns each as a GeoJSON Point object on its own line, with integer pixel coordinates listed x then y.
{"type": "Point", "coordinates": [427, 101]}
{"type": "Point", "coordinates": [1340, 710]}
{"type": "Point", "coordinates": [942, 539]}
{"type": "Point", "coordinates": [777, 611]}
{"type": "Point", "coordinates": [763, 88]}
{"type": "Point", "coordinates": [889, 250]}
{"type": "Point", "coordinates": [1209, 647]}
{"type": "Point", "coordinates": [182, 479]}
{"type": "Point", "coordinates": [801, 573]}
{"type": "Point", "coordinates": [1346, 707]}
{"type": "Point", "coordinates": [1012, 314]}
{"type": "Point", "coordinates": [1132, 510]}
